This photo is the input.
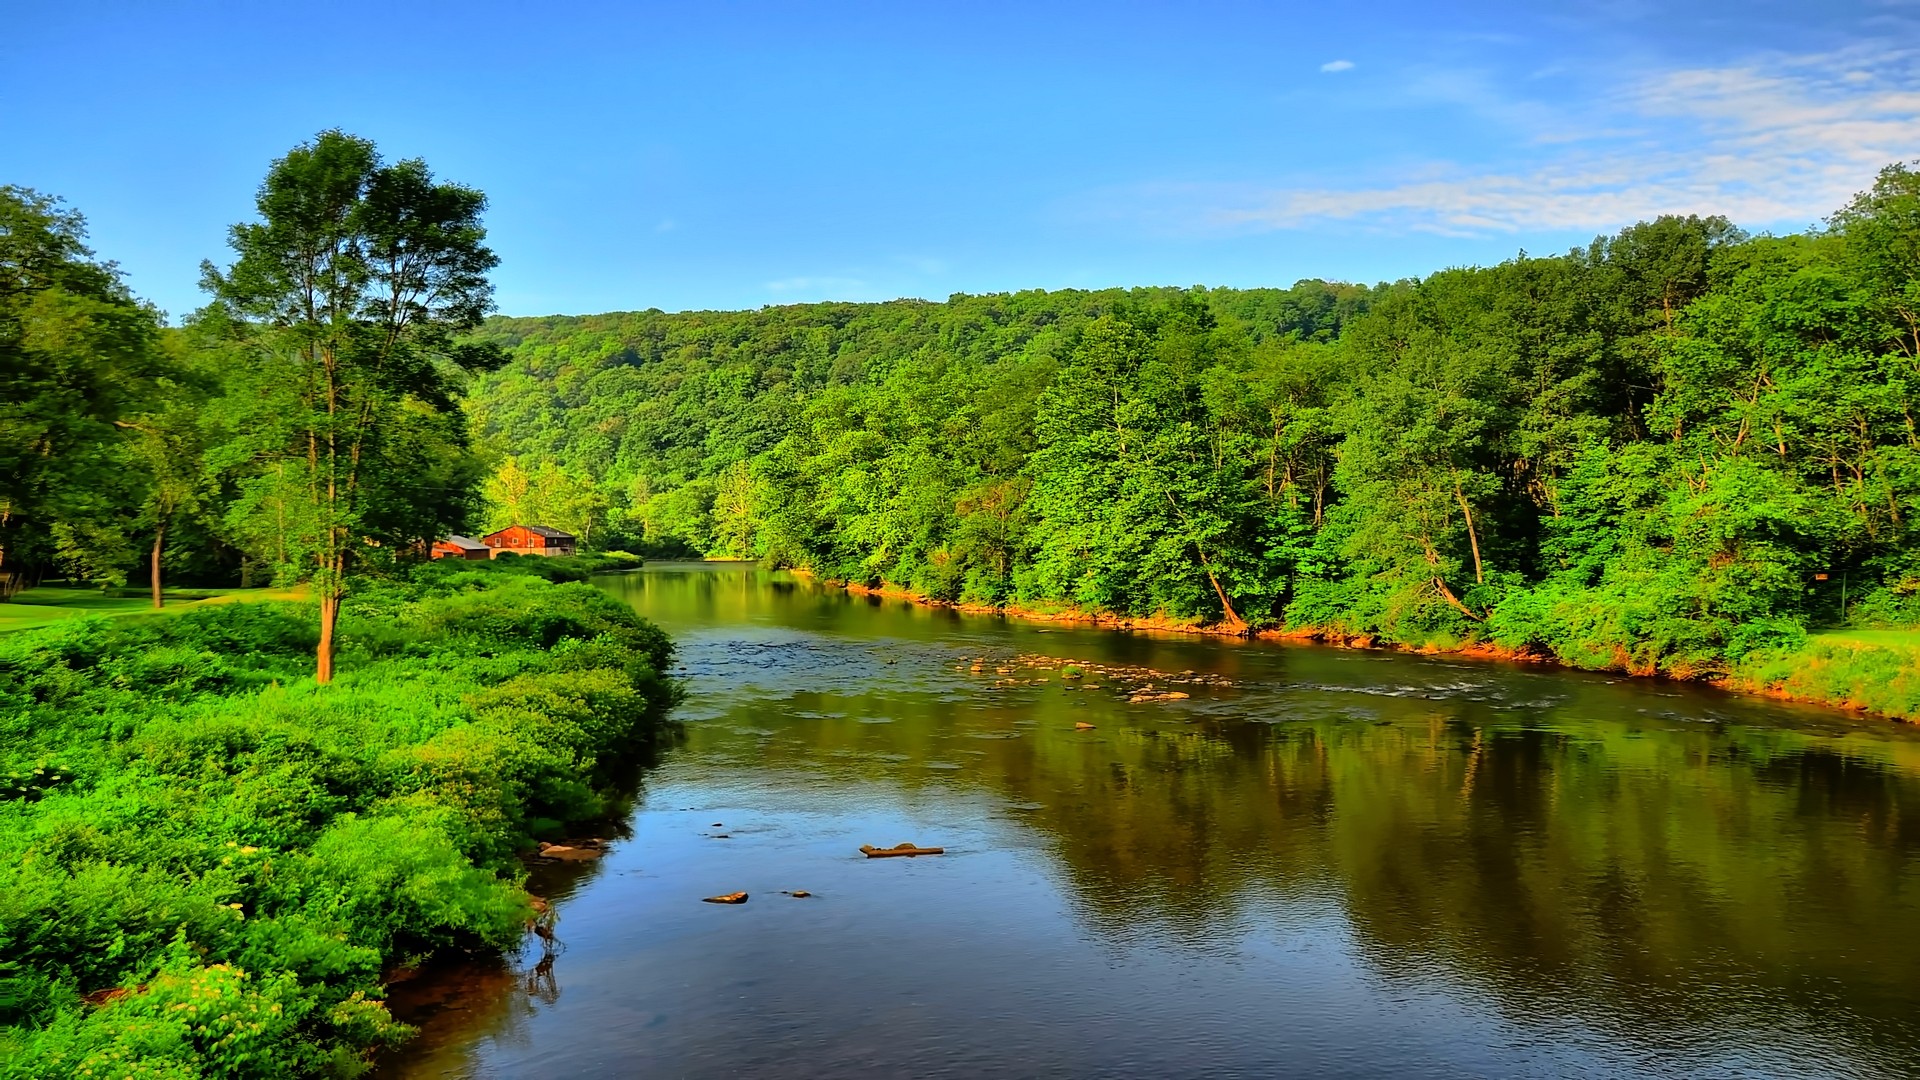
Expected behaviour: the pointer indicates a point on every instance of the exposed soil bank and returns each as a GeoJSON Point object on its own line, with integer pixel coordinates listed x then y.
{"type": "Point", "coordinates": [1786, 680]}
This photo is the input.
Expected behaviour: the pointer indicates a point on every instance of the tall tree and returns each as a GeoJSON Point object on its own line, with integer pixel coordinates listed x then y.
{"type": "Point", "coordinates": [77, 351]}
{"type": "Point", "coordinates": [1881, 232]}
{"type": "Point", "coordinates": [349, 296]}
{"type": "Point", "coordinates": [167, 449]}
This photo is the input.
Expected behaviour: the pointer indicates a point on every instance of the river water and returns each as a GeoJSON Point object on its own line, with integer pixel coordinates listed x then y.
{"type": "Point", "coordinates": [1317, 863]}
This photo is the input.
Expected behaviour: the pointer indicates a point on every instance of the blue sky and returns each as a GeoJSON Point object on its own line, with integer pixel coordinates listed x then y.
{"type": "Point", "coordinates": [729, 155]}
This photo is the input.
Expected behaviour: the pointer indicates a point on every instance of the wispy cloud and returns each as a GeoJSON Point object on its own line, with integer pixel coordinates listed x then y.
{"type": "Point", "coordinates": [1779, 140]}
{"type": "Point", "coordinates": [1335, 67]}
{"type": "Point", "coordinates": [879, 279]}
{"type": "Point", "coordinates": [823, 288]}
{"type": "Point", "coordinates": [924, 265]}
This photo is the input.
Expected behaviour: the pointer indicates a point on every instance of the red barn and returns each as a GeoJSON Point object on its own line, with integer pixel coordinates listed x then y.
{"type": "Point", "coordinates": [529, 540]}
{"type": "Point", "coordinates": [459, 547]}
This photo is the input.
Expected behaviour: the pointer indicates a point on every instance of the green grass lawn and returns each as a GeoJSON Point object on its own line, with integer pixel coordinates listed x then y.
{"type": "Point", "coordinates": [51, 603]}
{"type": "Point", "coordinates": [1896, 639]}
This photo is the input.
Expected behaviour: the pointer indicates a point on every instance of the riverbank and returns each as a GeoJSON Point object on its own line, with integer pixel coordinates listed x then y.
{"type": "Point", "coordinates": [208, 864]}
{"type": "Point", "coordinates": [1403, 857]}
{"type": "Point", "coordinates": [1875, 674]}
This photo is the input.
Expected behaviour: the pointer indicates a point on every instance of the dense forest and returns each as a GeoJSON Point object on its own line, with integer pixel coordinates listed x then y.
{"type": "Point", "coordinates": [1671, 450]}
{"type": "Point", "coordinates": [1678, 449]}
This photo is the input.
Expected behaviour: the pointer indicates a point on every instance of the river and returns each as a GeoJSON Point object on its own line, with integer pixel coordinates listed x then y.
{"type": "Point", "coordinates": [1317, 863]}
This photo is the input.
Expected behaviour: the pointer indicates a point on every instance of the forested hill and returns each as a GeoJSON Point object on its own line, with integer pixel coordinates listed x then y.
{"type": "Point", "coordinates": [1667, 450]}
{"type": "Point", "coordinates": [646, 403]}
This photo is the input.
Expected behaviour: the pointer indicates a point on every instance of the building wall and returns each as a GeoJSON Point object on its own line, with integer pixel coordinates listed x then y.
{"type": "Point", "coordinates": [524, 541]}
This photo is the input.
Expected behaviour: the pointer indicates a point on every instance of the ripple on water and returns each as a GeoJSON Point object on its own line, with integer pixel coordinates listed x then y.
{"type": "Point", "coordinates": [1260, 882]}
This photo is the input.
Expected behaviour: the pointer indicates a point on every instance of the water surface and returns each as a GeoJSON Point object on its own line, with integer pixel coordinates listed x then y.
{"type": "Point", "coordinates": [1316, 863]}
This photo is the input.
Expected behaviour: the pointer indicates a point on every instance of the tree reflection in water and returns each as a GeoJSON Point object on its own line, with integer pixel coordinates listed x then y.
{"type": "Point", "coordinates": [1630, 876]}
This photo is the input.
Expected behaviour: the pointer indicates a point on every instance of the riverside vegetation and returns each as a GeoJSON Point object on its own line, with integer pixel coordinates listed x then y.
{"type": "Point", "coordinates": [222, 829]}
{"type": "Point", "coordinates": [1680, 450]}
{"type": "Point", "coordinates": [208, 862]}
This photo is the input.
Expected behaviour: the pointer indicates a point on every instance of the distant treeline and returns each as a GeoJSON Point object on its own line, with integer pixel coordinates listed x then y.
{"type": "Point", "coordinates": [1663, 451]}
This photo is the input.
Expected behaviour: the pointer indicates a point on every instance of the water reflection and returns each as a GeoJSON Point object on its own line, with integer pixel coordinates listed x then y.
{"type": "Point", "coordinates": [1316, 863]}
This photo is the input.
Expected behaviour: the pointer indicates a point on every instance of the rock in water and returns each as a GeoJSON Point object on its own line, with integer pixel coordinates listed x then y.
{"type": "Point", "coordinates": [728, 898]}
{"type": "Point", "coordinates": [872, 852]}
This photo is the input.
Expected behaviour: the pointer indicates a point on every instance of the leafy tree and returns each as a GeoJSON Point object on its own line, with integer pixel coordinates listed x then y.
{"type": "Point", "coordinates": [347, 299]}
{"type": "Point", "coordinates": [1880, 229]}
{"type": "Point", "coordinates": [510, 497]}
{"type": "Point", "coordinates": [77, 353]}
{"type": "Point", "coordinates": [168, 448]}
{"type": "Point", "coordinates": [1664, 450]}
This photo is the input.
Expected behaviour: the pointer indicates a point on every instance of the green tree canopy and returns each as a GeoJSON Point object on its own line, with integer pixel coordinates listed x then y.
{"type": "Point", "coordinates": [346, 303]}
{"type": "Point", "coordinates": [77, 353]}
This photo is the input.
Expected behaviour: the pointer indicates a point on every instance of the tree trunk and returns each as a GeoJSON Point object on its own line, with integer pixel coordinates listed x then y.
{"type": "Point", "coordinates": [159, 544]}
{"type": "Point", "coordinates": [1233, 617]}
{"type": "Point", "coordinates": [1473, 537]}
{"type": "Point", "coordinates": [1447, 595]}
{"type": "Point", "coordinates": [329, 613]}
{"type": "Point", "coordinates": [1226, 606]}
{"type": "Point", "coordinates": [1440, 583]}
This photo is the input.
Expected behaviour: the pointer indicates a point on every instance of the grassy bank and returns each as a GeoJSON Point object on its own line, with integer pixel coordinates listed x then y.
{"type": "Point", "coordinates": [207, 862]}
{"type": "Point", "coordinates": [54, 603]}
{"type": "Point", "coordinates": [1875, 670]}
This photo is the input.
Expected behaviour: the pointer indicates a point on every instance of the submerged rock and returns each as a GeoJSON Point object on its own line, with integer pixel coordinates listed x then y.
{"type": "Point", "coordinates": [872, 852]}
{"type": "Point", "coordinates": [1151, 694]}
{"type": "Point", "coordinates": [573, 850]}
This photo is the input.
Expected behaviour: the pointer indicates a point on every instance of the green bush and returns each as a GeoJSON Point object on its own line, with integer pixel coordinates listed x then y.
{"type": "Point", "coordinates": [207, 862]}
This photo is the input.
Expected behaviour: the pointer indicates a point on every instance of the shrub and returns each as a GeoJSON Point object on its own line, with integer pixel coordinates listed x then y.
{"type": "Point", "coordinates": [206, 861]}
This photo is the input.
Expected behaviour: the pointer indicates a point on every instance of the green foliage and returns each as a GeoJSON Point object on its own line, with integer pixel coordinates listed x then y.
{"type": "Point", "coordinates": [544, 495]}
{"type": "Point", "coordinates": [1884, 677]}
{"type": "Point", "coordinates": [1667, 451]}
{"type": "Point", "coordinates": [193, 823]}
{"type": "Point", "coordinates": [77, 353]}
{"type": "Point", "coordinates": [342, 311]}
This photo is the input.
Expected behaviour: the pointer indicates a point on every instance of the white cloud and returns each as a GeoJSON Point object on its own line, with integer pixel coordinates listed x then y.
{"type": "Point", "coordinates": [1334, 67]}
{"type": "Point", "coordinates": [924, 265]}
{"type": "Point", "coordinates": [1778, 140]}
{"type": "Point", "coordinates": [826, 288]}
